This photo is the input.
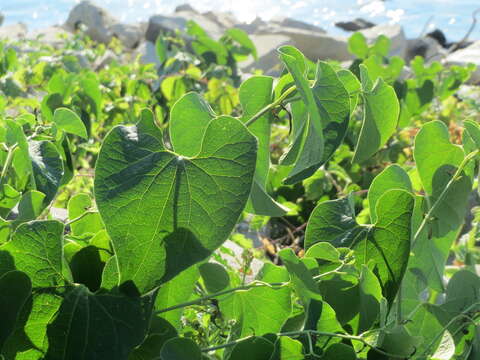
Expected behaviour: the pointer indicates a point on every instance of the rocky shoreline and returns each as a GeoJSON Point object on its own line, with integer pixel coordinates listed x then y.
{"type": "Point", "coordinates": [312, 40]}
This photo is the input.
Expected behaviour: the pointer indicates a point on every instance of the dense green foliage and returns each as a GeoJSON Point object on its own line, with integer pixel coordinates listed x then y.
{"type": "Point", "coordinates": [156, 168]}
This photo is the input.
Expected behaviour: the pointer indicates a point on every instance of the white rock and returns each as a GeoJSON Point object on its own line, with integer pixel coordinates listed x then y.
{"type": "Point", "coordinates": [236, 260]}
{"type": "Point", "coordinates": [267, 52]}
{"type": "Point", "coordinates": [398, 45]}
{"type": "Point", "coordinates": [315, 45]}
{"type": "Point", "coordinates": [253, 27]}
{"type": "Point", "coordinates": [222, 19]}
{"type": "Point", "coordinates": [13, 32]}
{"type": "Point", "coordinates": [470, 54]}
{"type": "Point", "coordinates": [129, 35]}
{"type": "Point", "coordinates": [97, 20]}
{"type": "Point", "coordinates": [52, 35]}
{"type": "Point", "coordinates": [106, 59]}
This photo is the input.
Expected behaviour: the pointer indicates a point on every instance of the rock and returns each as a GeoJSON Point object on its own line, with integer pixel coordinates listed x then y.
{"type": "Point", "coordinates": [267, 53]}
{"type": "Point", "coordinates": [148, 53]}
{"type": "Point", "coordinates": [2, 18]}
{"type": "Point", "coordinates": [295, 24]}
{"type": "Point", "coordinates": [129, 35]}
{"type": "Point", "coordinates": [96, 19]}
{"type": "Point", "coordinates": [13, 32]}
{"type": "Point", "coordinates": [106, 59]}
{"type": "Point", "coordinates": [398, 45]}
{"type": "Point", "coordinates": [315, 45]}
{"type": "Point", "coordinates": [355, 25]}
{"type": "Point", "coordinates": [178, 22]}
{"type": "Point", "coordinates": [222, 19]}
{"type": "Point", "coordinates": [439, 36]}
{"type": "Point", "coordinates": [463, 57]}
{"type": "Point", "coordinates": [185, 7]}
{"type": "Point", "coordinates": [236, 260]}
{"type": "Point", "coordinates": [52, 35]}
{"type": "Point", "coordinates": [252, 27]}
{"type": "Point", "coordinates": [426, 47]}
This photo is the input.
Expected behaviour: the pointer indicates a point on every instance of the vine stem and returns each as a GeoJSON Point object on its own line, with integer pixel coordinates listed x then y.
{"type": "Point", "coordinates": [428, 216]}
{"type": "Point", "coordinates": [435, 205]}
{"type": "Point", "coordinates": [80, 217]}
{"type": "Point", "coordinates": [309, 333]}
{"type": "Point", "coordinates": [8, 162]}
{"type": "Point", "coordinates": [220, 293]}
{"type": "Point", "coordinates": [270, 106]}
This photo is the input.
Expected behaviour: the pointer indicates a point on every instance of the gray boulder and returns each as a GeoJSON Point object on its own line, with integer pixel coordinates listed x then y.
{"type": "Point", "coordinates": [178, 22]}
{"type": "Point", "coordinates": [315, 45]}
{"type": "Point", "coordinates": [97, 21]}
{"type": "Point", "coordinates": [148, 53]}
{"type": "Point", "coordinates": [296, 24]}
{"type": "Point", "coordinates": [354, 25]}
{"type": "Point", "coordinates": [130, 35]}
{"type": "Point", "coordinates": [2, 18]}
{"type": "Point", "coordinates": [426, 47]}
{"type": "Point", "coordinates": [267, 45]}
{"type": "Point", "coordinates": [396, 35]}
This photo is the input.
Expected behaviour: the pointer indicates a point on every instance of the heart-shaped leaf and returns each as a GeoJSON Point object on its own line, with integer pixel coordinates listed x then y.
{"type": "Point", "coordinates": [163, 211]}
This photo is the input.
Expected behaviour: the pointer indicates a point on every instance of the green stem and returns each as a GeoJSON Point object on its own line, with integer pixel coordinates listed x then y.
{"type": "Point", "coordinates": [435, 205]}
{"type": "Point", "coordinates": [310, 333]}
{"type": "Point", "coordinates": [8, 163]}
{"type": "Point", "coordinates": [270, 106]}
{"type": "Point", "coordinates": [80, 217]}
{"type": "Point", "coordinates": [220, 293]}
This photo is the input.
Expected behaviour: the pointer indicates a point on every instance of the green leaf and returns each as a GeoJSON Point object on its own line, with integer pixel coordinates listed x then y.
{"type": "Point", "coordinates": [259, 310]}
{"type": "Point", "coordinates": [392, 177]}
{"type": "Point", "coordinates": [471, 136]}
{"type": "Point", "coordinates": [47, 168]}
{"type": "Point", "coordinates": [333, 104]}
{"type": "Point", "coordinates": [189, 119]}
{"type": "Point", "coordinates": [340, 351]}
{"type": "Point", "coordinates": [30, 206]}
{"type": "Point", "coordinates": [310, 142]}
{"type": "Point", "coordinates": [165, 212]}
{"type": "Point", "coordinates": [90, 223]}
{"type": "Point", "coordinates": [242, 38]}
{"type": "Point", "coordinates": [255, 93]}
{"type": "Point", "coordinates": [176, 291]}
{"type": "Point", "coordinates": [352, 85]}
{"type": "Point", "coordinates": [254, 348]}
{"type": "Point", "coordinates": [180, 349]}
{"type": "Point", "coordinates": [161, 49]}
{"type": "Point", "coordinates": [15, 288]}
{"type": "Point", "coordinates": [159, 333]}
{"type": "Point", "coordinates": [370, 298]}
{"type": "Point", "coordinates": [463, 293]}
{"type": "Point", "coordinates": [357, 45]}
{"type": "Point", "coordinates": [437, 159]}
{"type": "Point", "coordinates": [380, 116]}
{"type": "Point", "coordinates": [9, 197]}
{"type": "Point", "coordinates": [215, 277]}
{"type": "Point", "coordinates": [301, 277]}
{"type": "Point", "coordinates": [386, 243]}
{"type": "Point", "coordinates": [36, 249]}
{"type": "Point", "coordinates": [287, 349]}
{"type": "Point", "coordinates": [68, 121]}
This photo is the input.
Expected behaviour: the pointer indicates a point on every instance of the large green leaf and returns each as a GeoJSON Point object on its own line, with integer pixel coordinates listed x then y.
{"type": "Point", "coordinates": [91, 222]}
{"type": "Point", "coordinates": [308, 146]}
{"type": "Point", "coordinates": [36, 249]}
{"type": "Point", "coordinates": [437, 160]}
{"type": "Point", "coordinates": [380, 116]}
{"type": "Point", "coordinates": [254, 94]}
{"type": "Point", "coordinates": [15, 288]}
{"type": "Point", "coordinates": [254, 348]}
{"type": "Point", "coordinates": [165, 212]}
{"type": "Point", "coordinates": [72, 323]}
{"type": "Point", "coordinates": [180, 349]}
{"type": "Point", "coordinates": [386, 243]}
